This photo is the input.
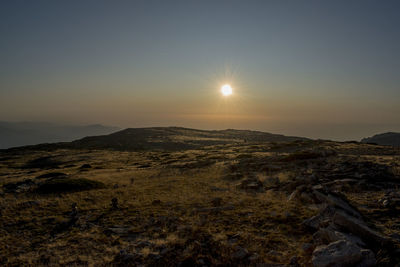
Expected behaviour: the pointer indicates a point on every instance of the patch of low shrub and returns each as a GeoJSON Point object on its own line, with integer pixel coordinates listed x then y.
{"type": "Point", "coordinates": [17, 186]}
{"type": "Point", "coordinates": [301, 155]}
{"type": "Point", "coordinates": [244, 156]}
{"type": "Point", "coordinates": [65, 185]}
{"type": "Point", "coordinates": [51, 175]}
{"type": "Point", "coordinates": [42, 163]}
{"type": "Point", "coordinates": [85, 166]}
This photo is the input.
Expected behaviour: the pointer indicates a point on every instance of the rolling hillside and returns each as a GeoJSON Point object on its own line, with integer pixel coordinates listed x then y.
{"type": "Point", "coordinates": [386, 139]}
{"type": "Point", "coordinates": [168, 138]}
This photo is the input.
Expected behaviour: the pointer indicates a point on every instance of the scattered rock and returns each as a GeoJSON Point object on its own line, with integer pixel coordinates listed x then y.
{"type": "Point", "coordinates": [320, 219]}
{"type": "Point", "coordinates": [143, 244]}
{"type": "Point", "coordinates": [119, 230]}
{"type": "Point", "coordinates": [274, 254]}
{"type": "Point", "coordinates": [19, 187]}
{"type": "Point", "coordinates": [395, 236]}
{"type": "Point", "coordinates": [216, 201]}
{"type": "Point", "coordinates": [71, 221]}
{"type": "Point", "coordinates": [340, 253]}
{"type": "Point", "coordinates": [368, 258]}
{"type": "Point", "coordinates": [203, 219]}
{"type": "Point", "coordinates": [240, 253]}
{"type": "Point", "coordinates": [74, 211]}
{"type": "Point", "coordinates": [156, 202]}
{"type": "Point", "coordinates": [307, 247]}
{"type": "Point", "coordinates": [294, 261]}
{"type": "Point", "coordinates": [336, 201]}
{"type": "Point", "coordinates": [152, 257]}
{"type": "Point", "coordinates": [201, 262]}
{"type": "Point", "coordinates": [341, 234]}
{"type": "Point", "coordinates": [254, 258]}
{"type": "Point", "coordinates": [218, 189]}
{"type": "Point", "coordinates": [29, 204]}
{"type": "Point", "coordinates": [271, 182]}
{"type": "Point", "coordinates": [251, 185]}
{"type": "Point", "coordinates": [184, 230]}
{"type": "Point", "coordinates": [293, 196]}
{"type": "Point", "coordinates": [359, 228]}
{"type": "Point", "coordinates": [127, 259]}
{"type": "Point", "coordinates": [301, 193]}
{"type": "Point", "coordinates": [114, 203]}
{"type": "Point", "coordinates": [187, 262]}
{"type": "Point", "coordinates": [125, 232]}
{"type": "Point", "coordinates": [329, 234]}
{"type": "Point", "coordinates": [301, 156]}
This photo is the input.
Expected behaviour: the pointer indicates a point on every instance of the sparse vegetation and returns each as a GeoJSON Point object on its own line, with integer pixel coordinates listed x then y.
{"type": "Point", "coordinates": [65, 185]}
{"type": "Point", "coordinates": [301, 155]}
{"type": "Point", "coordinates": [209, 206]}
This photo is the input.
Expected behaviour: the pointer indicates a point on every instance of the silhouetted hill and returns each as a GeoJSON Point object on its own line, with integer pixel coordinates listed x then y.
{"type": "Point", "coordinates": [387, 139]}
{"type": "Point", "coordinates": [168, 138]}
{"type": "Point", "coordinates": [13, 134]}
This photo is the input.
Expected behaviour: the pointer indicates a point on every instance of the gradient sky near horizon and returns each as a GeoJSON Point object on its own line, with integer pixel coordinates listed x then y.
{"type": "Point", "coordinates": [320, 69]}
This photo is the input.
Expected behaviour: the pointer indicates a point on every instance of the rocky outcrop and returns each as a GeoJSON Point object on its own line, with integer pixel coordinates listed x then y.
{"type": "Point", "coordinates": [342, 253]}
{"type": "Point", "coordinates": [341, 236]}
{"type": "Point", "coordinates": [359, 228]}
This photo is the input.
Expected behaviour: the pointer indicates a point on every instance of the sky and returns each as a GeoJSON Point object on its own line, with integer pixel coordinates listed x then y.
{"type": "Point", "coordinates": [319, 69]}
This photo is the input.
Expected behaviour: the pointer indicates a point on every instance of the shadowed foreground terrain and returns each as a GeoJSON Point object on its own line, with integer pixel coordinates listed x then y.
{"type": "Point", "coordinates": [251, 202]}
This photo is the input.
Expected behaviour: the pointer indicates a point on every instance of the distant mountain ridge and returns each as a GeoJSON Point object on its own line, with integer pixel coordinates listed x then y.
{"type": "Point", "coordinates": [168, 138]}
{"type": "Point", "coordinates": [387, 139]}
{"type": "Point", "coordinates": [14, 134]}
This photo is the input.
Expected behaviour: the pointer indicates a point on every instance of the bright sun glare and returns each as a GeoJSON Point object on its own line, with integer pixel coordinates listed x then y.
{"type": "Point", "coordinates": [226, 90]}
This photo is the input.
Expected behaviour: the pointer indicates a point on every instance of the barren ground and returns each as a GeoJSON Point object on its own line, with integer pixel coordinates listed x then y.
{"type": "Point", "coordinates": [219, 205]}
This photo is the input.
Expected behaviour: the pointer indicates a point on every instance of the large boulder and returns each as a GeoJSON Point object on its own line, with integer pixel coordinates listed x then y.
{"type": "Point", "coordinates": [342, 254]}
{"type": "Point", "coordinates": [359, 228]}
{"type": "Point", "coordinates": [320, 220]}
{"type": "Point", "coordinates": [338, 201]}
{"type": "Point", "coordinates": [330, 234]}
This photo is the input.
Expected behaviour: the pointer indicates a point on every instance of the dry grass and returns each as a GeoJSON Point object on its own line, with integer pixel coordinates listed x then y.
{"type": "Point", "coordinates": [161, 201]}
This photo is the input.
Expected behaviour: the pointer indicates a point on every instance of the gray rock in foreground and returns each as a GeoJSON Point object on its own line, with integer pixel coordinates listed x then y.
{"type": "Point", "coordinates": [342, 253]}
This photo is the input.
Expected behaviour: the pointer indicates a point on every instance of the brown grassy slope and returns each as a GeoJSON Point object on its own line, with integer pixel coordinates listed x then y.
{"type": "Point", "coordinates": [165, 138]}
{"type": "Point", "coordinates": [172, 206]}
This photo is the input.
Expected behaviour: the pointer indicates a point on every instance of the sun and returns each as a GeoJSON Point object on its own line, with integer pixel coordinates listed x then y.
{"type": "Point", "coordinates": [226, 90]}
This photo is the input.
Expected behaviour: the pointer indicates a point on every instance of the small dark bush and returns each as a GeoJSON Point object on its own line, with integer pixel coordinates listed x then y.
{"type": "Point", "coordinates": [51, 175]}
{"type": "Point", "coordinates": [244, 156]}
{"type": "Point", "coordinates": [42, 163]}
{"type": "Point", "coordinates": [302, 155]}
{"type": "Point", "coordinates": [13, 187]}
{"type": "Point", "coordinates": [86, 166]}
{"type": "Point", "coordinates": [351, 142]}
{"type": "Point", "coordinates": [65, 185]}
